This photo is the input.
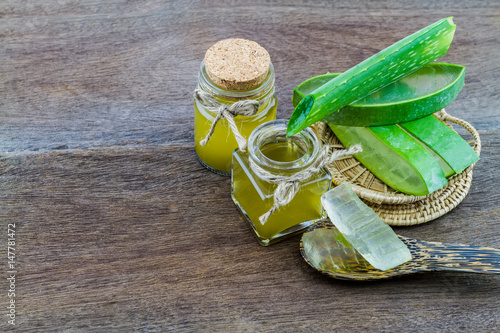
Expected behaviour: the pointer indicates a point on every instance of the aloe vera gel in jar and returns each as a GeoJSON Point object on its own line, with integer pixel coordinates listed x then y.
{"type": "Point", "coordinates": [272, 155]}
{"type": "Point", "coordinates": [235, 94]}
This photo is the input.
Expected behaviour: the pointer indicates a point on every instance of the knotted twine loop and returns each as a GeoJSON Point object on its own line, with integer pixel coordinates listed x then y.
{"type": "Point", "coordinates": [288, 186]}
{"type": "Point", "coordinates": [246, 108]}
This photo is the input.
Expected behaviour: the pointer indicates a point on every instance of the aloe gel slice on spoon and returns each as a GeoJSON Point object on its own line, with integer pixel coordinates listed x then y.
{"type": "Point", "coordinates": [421, 93]}
{"type": "Point", "coordinates": [364, 229]}
{"type": "Point", "coordinates": [381, 69]}
{"type": "Point", "coordinates": [324, 248]}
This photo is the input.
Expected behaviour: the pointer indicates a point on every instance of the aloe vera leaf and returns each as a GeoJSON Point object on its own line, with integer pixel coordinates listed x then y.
{"type": "Point", "coordinates": [447, 170]}
{"type": "Point", "coordinates": [432, 129]}
{"type": "Point", "coordinates": [394, 157]}
{"type": "Point", "coordinates": [421, 93]}
{"type": "Point", "coordinates": [382, 166]}
{"type": "Point", "coordinates": [450, 146]}
{"type": "Point", "coordinates": [381, 69]}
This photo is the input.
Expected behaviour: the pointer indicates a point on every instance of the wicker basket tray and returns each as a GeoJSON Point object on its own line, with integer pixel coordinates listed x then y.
{"type": "Point", "coordinates": [396, 208]}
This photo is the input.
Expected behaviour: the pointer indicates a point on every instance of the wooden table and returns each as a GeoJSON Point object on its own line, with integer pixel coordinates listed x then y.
{"type": "Point", "coordinates": [118, 228]}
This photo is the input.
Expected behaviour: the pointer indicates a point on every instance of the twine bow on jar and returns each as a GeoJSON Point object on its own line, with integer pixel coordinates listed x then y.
{"type": "Point", "coordinates": [243, 108]}
{"type": "Point", "coordinates": [289, 185]}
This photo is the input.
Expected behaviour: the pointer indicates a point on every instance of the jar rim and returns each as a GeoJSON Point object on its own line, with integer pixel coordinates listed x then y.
{"type": "Point", "coordinates": [275, 129]}
{"type": "Point", "coordinates": [206, 83]}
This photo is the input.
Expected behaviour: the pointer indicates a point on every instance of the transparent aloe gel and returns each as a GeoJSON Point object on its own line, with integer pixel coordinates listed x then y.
{"type": "Point", "coordinates": [363, 229]}
{"type": "Point", "coordinates": [329, 251]}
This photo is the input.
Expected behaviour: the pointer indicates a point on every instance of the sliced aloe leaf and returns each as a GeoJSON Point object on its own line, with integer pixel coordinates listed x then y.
{"type": "Point", "coordinates": [450, 146]}
{"type": "Point", "coordinates": [381, 158]}
{"type": "Point", "coordinates": [447, 170]}
{"type": "Point", "coordinates": [394, 157]}
{"type": "Point", "coordinates": [443, 144]}
{"type": "Point", "coordinates": [383, 68]}
{"type": "Point", "coordinates": [421, 93]}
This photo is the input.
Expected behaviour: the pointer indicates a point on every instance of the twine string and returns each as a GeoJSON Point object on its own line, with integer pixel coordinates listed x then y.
{"type": "Point", "coordinates": [289, 185]}
{"type": "Point", "coordinates": [246, 108]}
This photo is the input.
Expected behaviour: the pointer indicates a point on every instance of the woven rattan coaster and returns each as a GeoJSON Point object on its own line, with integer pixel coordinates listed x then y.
{"type": "Point", "coordinates": [396, 208]}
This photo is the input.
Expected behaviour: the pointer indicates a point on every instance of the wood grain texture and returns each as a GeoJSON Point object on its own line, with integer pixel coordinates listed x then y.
{"type": "Point", "coordinates": [120, 229]}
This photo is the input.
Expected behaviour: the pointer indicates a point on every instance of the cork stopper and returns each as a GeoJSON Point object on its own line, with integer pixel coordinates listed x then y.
{"type": "Point", "coordinates": [237, 64]}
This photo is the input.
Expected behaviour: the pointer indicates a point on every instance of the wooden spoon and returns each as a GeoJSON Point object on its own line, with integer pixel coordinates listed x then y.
{"type": "Point", "coordinates": [331, 257]}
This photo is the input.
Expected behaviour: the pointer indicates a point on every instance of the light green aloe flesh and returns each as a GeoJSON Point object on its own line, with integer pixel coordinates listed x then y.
{"type": "Point", "coordinates": [445, 142]}
{"type": "Point", "coordinates": [421, 93]}
{"type": "Point", "coordinates": [364, 229]}
{"type": "Point", "coordinates": [383, 68]}
{"type": "Point", "coordinates": [394, 157]}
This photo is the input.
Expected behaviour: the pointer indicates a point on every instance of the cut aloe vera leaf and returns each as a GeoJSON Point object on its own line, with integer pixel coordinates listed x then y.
{"type": "Point", "coordinates": [447, 170]}
{"type": "Point", "coordinates": [450, 146]}
{"type": "Point", "coordinates": [383, 68]}
{"type": "Point", "coordinates": [421, 93]}
{"type": "Point", "coordinates": [364, 229]}
{"type": "Point", "coordinates": [431, 132]}
{"type": "Point", "coordinates": [369, 137]}
{"type": "Point", "coordinates": [394, 157]}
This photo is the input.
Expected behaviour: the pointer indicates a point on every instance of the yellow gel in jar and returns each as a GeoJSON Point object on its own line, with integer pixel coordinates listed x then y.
{"type": "Point", "coordinates": [269, 148]}
{"type": "Point", "coordinates": [216, 154]}
{"type": "Point", "coordinates": [230, 78]}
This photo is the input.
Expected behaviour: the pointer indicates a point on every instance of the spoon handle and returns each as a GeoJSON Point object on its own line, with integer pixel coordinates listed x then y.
{"type": "Point", "coordinates": [455, 257]}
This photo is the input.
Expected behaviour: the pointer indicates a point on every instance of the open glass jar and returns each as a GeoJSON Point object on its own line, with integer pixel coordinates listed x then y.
{"type": "Point", "coordinates": [216, 154]}
{"type": "Point", "coordinates": [271, 150]}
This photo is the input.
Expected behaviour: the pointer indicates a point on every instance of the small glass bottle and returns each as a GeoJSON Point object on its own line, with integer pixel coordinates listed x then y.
{"type": "Point", "coordinates": [216, 153]}
{"type": "Point", "coordinates": [270, 149]}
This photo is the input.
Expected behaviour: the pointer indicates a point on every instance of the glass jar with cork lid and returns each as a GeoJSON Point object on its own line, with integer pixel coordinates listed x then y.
{"type": "Point", "coordinates": [235, 94]}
